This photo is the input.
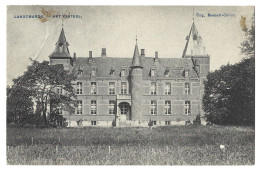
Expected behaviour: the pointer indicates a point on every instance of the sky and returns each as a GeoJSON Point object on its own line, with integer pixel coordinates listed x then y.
{"type": "Point", "coordinates": [158, 28]}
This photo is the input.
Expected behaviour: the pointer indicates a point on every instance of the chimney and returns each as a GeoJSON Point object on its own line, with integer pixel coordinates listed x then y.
{"type": "Point", "coordinates": [74, 57]}
{"type": "Point", "coordinates": [90, 59]}
{"type": "Point", "coordinates": [156, 59]}
{"type": "Point", "coordinates": [156, 54]}
{"type": "Point", "coordinates": [142, 53]}
{"type": "Point", "coordinates": [103, 52]}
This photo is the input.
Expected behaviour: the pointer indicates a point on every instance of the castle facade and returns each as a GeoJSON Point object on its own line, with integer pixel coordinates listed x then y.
{"type": "Point", "coordinates": [136, 91]}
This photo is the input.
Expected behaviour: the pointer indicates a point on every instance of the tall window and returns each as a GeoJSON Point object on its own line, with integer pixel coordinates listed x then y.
{"type": "Point", "coordinates": [79, 109]}
{"type": "Point", "coordinates": [93, 107]}
{"type": "Point", "coordinates": [111, 88]}
{"type": "Point", "coordinates": [153, 107]}
{"type": "Point", "coordinates": [153, 88]}
{"type": "Point", "coordinates": [167, 107]}
{"type": "Point", "coordinates": [59, 90]}
{"type": "Point", "coordinates": [187, 89]}
{"type": "Point", "coordinates": [93, 88]}
{"type": "Point", "coordinates": [123, 87]}
{"type": "Point", "coordinates": [79, 87]}
{"type": "Point", "coordinates": [167, 88]}
{"type": "Point", "coordinates": [187, 108]}
{"type": "Point", "coordinates": [112, 107]}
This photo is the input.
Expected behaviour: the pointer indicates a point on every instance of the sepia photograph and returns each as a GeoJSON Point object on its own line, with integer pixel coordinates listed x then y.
{"type": "Point", "coordinates": [130, 85]}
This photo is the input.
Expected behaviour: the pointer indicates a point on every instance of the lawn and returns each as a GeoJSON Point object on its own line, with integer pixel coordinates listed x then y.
{"type": "Point", "coordinates": [173, 145]}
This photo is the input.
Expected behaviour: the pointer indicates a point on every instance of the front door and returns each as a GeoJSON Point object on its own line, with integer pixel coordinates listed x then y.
{"type": "Point", "coordinates": [124, 112]}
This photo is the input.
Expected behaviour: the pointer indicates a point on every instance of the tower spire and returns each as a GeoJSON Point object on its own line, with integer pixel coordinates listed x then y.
{"type": "Point", "coordinates": [136, 62]}
{"type": "Point", "coordinates": [194, 43]}
{"type": "Point", "coordinates": [61, 49]}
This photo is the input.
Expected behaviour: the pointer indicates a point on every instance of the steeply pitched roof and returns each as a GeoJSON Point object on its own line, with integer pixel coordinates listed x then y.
{"type": "Point", "coordinates": [103, 67]}
{"type": "Point", "coordinates": [61, 49]}
{"type": "Point", "coordinates": [194, 44]}
{"type": "Point", "coordinates": [136, 62]}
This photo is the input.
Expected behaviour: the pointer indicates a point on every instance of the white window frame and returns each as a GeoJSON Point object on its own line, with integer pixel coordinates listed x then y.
{"type": "Point", "coordinates": [167, 88]}
{"type": "Point", "coordinates": [153, 107]}
{"type": "Point", "coordinates": [167, 107]}
{"type": "Point", "coordinates": [153, 88]}
{"type": "Point", "coordinates": [111, 107]}
{"type": "Point", "coordinates": [187, 108]}
{"type": "Point", "coordinates": [79, 108]}
{"type": "Point", "coordinates": [187, 89]}
{"type": "Point", "coordinates": [93, 107]}
{"type": "Point", "coordinates": [93, 88]}
{"type": "Point", "coordinates": [111, 88]}
{"type": "Point", "coordinates": [79, 88]}
{"type": "Point", "coordinates": [123, 88]}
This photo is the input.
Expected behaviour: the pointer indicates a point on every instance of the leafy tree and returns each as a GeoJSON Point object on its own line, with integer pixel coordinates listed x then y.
{"type": "Point", "coordinates": [42, 79]}
{"type": "Point", "coordinates": [19, 103]}
{"type": "Point", "coordinates": [248, 46]}
{"type": "Point", "coordinates": [229, 96]}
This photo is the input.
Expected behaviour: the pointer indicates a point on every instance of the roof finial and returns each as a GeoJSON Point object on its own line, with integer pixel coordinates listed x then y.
{"type": "Point", "coordinates": [193, 13]}
{"type": "Point", "coordinates": [136, 36]}
{"type": "Point", "coordinates": [62, 22]}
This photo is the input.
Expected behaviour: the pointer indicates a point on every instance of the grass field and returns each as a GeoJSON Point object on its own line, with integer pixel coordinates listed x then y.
{"type": "Point", "coordinates": [175, 145]}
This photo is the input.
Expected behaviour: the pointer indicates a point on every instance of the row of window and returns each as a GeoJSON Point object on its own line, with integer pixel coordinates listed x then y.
{"type": "Point", "coordinates": [112, 105]}
{"type": "Point", "coordinates": [94, 123]}
{"type": "Point", "coordinates": [123, 72]}
{"type": "Point", "coordinates": [111, 88]}
{"type": "Point", "coordinates": [112, 72]}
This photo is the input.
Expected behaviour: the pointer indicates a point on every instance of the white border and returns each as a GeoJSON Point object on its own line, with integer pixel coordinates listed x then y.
{"type": "Point", "coordinates": [3, 10]}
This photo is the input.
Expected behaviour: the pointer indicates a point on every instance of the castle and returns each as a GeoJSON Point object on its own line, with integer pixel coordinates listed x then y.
{"type": "Point", "coordinates": [136, 91]}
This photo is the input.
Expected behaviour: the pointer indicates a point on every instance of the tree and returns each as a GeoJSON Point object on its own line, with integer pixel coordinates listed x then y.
{"type": "Point", "coordinates": [248, 46]}
{"type": "Point", "coordinates": [19, 104]}
{"type": "Point", "coordinates": [229, 96]}
{"type": "Point", "coordinates": [42, 79]}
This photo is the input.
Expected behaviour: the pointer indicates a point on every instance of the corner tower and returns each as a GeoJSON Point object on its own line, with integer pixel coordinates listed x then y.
{"type": "Point", "coordinates": [136, 85]}
{"type": "Point", "coordinates": [61, 54]}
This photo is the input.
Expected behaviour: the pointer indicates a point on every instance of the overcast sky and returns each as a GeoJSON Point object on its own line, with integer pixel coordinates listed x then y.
{"type": "Point", "coordinates": [159, 28]}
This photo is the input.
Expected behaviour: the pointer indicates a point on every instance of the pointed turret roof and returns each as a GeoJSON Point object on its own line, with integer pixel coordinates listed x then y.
{"type": "Point", "coordinates": [61, 49]}
{"type": "Point", "coordinates": [194, 44]}
{"type": "Point", "coordinates": [136, 62]}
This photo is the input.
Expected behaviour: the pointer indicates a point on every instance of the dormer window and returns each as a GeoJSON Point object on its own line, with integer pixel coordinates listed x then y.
{"type": "Point", "coordinates": [112, 71]}
{"type": "Point", "coordinates": [186, 73]}
{"type": "Point", "coordinates": [123, 71]}
{"type": "Point", "coordinates": [80, 72]}
{"type": "Point", "coordinates": [93, 72]}
{"type": "Point", "coordinates": [152, 72]}
{"type": "Point", "coordinates": [167, 73]}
